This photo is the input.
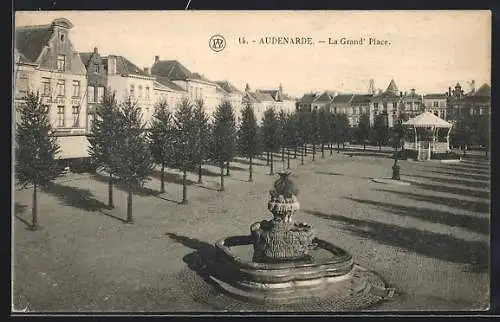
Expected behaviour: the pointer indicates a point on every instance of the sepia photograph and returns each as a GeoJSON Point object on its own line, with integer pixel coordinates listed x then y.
{"type": "Point", "coordinates": [251, 161]}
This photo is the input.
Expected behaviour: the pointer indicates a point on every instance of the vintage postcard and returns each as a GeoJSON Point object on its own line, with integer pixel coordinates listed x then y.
{"type": "Point", "coordinates": [244, 161]}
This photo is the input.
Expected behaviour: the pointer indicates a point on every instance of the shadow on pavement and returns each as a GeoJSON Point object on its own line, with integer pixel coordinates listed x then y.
{"type": "Point", "coordinates": [202, 260]}
{"type": "Point", "coordinates": [169, 177]}
{"type": "Point", "coordinates": [19, 209]}
{"type": "Point", "coordinates": [74, 197]}
{"type": "Point", "coordinates": [139, 191]}
{"type": "Point", "coordinates": [439, 246]}
{"type": "Point", "coordinates": [476, 224]}
{"type": "Point", "coordinates": [454, 190]}
{"type": "Point", "coordinates": [475, 206]}
{"type": "Point", "coordinates": [463, 182]}
{"type": "Point", "coordinates": [465, 175]}
{"type": "Point", "coordinates": [340, 174]}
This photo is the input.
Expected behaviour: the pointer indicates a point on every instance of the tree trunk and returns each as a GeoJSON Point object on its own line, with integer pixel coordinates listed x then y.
{"type": "Point", "coordinates": [283, 155]}
{"type": "Point", "coordinates": [302, 156]}
{"type": "Point", "coordinates": [288, 159]}
{"type": "Point", "coordinates": [110, 191]}
{"type": "Point", "coordinates": [272, 163]}
{"type": "Point", "coordinates": [338, 147]}
{"type": "Point", "coordinates": [267, 158]}
{"type": "Point", "coordinates": [323, 150]}
{"type": "Point", "coordinates": [295, 152]}
{"type": "Point", "coordinates": [184, 186]}
{"type": "Point", "coordinates": [314, 151]}
{"type": "Point", "coordinates": [227, 169]}
{"type": "Point", "coordinates": [34, 210]}
{"type": "Point", "coordinates": [379, 146]}
{"type": "Point", "coordinates": [221, 176]}
{"type": "Point", "coordinates": [250, 170]}
{"type": "Point", "coordinates": [162, 178]}
{"type": "Point", "coordinates": [305, 149]}
{"type": "Point", "coordinates": [364, 146]}
{"type": "Point", "coordinates": [200, 173]}
{"type": "Point", "coordinates": [331, 149]}
{"type": "Point", "coordinates": [343, 145]}
{"type": "Point", "coordinates": [130, 218]}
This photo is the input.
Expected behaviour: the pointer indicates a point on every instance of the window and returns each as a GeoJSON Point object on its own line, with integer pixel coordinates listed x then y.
{"type": "Point", "coordinates": [147, 93]}
{"type": "Point", "coordinates": [385, 107]}
{"type": "Point", "coordinates": [375, 106]}
{"type": "Point", "coordinates": [46, 86]}
{"type": "Point", "coordinates": [436, 104]}
{"type": "Point", "coordinates": [60, 116]}
{"type": "Point", "coordinates": [100, 94]}
{"type": "Point", "coordinates": [61, 87]}
{"type": "Point", "coordinates": [22, 83]}
{"type": "Point", "coordinates": [96, 68]}
{"type": "Point", "coordinates": [61, 36]}
{"type": "Point", "coordinates": [61, 62]}
{"type": "Point", "coordinates": [76, 88]}
{"type": "Point", "coordinates": [132, 91]}
{"type": "Point", "coordinates": [45, 108]}
{"type": "Point", "coordinates": [90, 94]}
{"type": "Point", "coordinates": [76, 116]}
{"type": "Point", "coordinates": [139, 92]}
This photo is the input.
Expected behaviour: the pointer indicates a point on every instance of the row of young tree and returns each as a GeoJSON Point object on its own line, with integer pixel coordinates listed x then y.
{"type": "Point", "coordinates": [185, 139]}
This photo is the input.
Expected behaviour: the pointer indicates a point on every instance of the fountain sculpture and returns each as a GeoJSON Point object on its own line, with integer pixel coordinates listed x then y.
{"type": "Point", "coordinates": [289, 263]}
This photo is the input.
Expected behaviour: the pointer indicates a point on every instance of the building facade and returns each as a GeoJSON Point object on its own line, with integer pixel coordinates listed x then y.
{"type": "Point", "coordinates": [261, 100]}
{"type": "Point", "coordinates": [229, 93]}
{"type": "Point", "coordinates": [437, 104]}
{"type": "Point", "coordinates": [47, 62]}
{"type": "Point", "coordinates": [388, 102]}
{"type": "Point", "coordinates": [361, 104]}
{"type": "Point", "coordinates": [306, 101]}
{"type": "Point", "coordinates": [411, 104]}
{"type": "Point", "coordinates": [323, 101]}
{"type": "Point", "coordinates": [196, 85]}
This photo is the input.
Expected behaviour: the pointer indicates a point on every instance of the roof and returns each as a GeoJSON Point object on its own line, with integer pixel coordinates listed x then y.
{"type": "Point", "coordinates": [362, 98]}
{"type": "Point", "coordinates": [249, 97]}
{"type": "Point", "coordinates": [392, 87]}
{"type": "Point", "coordinates": [166, 82]}
{"type": "Point", "coordinates": [386, 95]}
{"type": "Point", "coordinates": [325, 97]}
{"type": "Point", "coordinates": [436, 96]}
{"type": "Point", "coordinates": [30, 40]}
{"type": "Point", "coordinates": [228, 87]}
{"type": "Point", "coordinates": [342, 98]}
{"type": "Point", "coordinates": [263, 95]}
{"type": "Point", "coordinates": [307, 98]}
{"type": "Point", "coordinates": [427, 119]}
{"type": "Point", "coordinates": [483, 91]}
{"type": "Point", "coordinates": [126, 67]}
{"type": "Point", "coordinates": [85, 57]}
{"type": "Point", "coordinates": [172, 69]}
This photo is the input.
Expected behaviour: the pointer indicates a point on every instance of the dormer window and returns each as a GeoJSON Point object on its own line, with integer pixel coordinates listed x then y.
{"type": "Point", "coordinates": [61, 62]}
{"type": "Point", "coordinates": [61, 36]}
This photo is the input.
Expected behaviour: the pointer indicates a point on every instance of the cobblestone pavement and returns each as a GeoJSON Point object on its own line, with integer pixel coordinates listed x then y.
{"type": "Point", "coordinates": [429, 240]}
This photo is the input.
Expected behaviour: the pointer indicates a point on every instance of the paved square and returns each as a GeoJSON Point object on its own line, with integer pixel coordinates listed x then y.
{"type": "Point", "coordinates": [429, 240]}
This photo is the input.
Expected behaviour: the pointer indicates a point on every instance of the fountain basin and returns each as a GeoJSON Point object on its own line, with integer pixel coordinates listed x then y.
{"type": "Point", "coordinates": [326, 269]}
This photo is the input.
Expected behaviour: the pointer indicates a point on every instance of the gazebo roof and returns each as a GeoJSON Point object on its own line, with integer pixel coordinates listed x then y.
{"type": "Point", "coordinates": [427, 119]}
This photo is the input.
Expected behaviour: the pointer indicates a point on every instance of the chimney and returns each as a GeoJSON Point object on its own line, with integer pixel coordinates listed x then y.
{"type": "Point", "coordinates": [146, 70]}
{"type": "Point", "coordinates": [412, 91]}
{"type": "Point", "coordinates": [247, 88]}
{"type": "Point", "coordinates": [401, 94]}
{"type": "Point", "coordinates": [96, 50]}
{"type": "Point", "coordinates": [157, 58]}
{"type": "Point", "coordinates": [473, 86]}
{"type": "Point", "coordinates": [449, 91]}
{"type": "Point", "coordinates": [111, 65]}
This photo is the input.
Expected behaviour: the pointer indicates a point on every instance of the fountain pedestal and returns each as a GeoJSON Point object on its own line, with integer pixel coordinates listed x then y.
{"type": "Point", "coordinates": [289, 264]}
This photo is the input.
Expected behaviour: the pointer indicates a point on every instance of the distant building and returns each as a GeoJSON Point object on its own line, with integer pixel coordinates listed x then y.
{"type": "Point", "coordinates": [388, 102]}
{"type": "Point", "coordinates": [341, 104]}
{"type": "Point", "coordinates": [306, 101]}
{"type": "Point", "coordinates": [46, 62]}
{"type": "Point", "coordinates": [455, 103]}
{"type": "Point", "coordinates": [478, 102]}
{"type": "Point", "coordinates": [228, 92]}
{"type": "Point", "coordinates": [261, 100]}
{"type": "Point", "coordinates": [361, 104]}
{"type": "Point", "coordinates": [196, 85]}
{"type": "Point", "coordinates": [324, 100]}
{"type": "Point", "coordinates": [411, 104]}
{"type": "Point", "coordinates": [436, 104]}
{"type": "Point", "coordinates": [166, 91]}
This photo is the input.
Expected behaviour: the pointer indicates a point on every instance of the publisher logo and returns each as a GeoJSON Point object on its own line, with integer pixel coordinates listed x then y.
{"type": "Point", "coordinates": [217, 43]}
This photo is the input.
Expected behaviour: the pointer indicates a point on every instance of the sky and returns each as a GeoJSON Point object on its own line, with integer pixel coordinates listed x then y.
{"type": "Point", "coordinates": [425, 50]}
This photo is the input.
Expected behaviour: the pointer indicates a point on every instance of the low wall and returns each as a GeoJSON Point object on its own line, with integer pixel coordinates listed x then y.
{"type": "Point", "coordinates": [73, 147]}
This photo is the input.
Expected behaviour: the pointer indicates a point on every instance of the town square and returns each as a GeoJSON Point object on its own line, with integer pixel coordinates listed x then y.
{"type": "Point", "coordinates": [168, 188]}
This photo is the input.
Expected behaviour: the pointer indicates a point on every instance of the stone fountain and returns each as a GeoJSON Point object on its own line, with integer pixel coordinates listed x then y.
{"type": "Point", "coordinates": [283, 261]}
